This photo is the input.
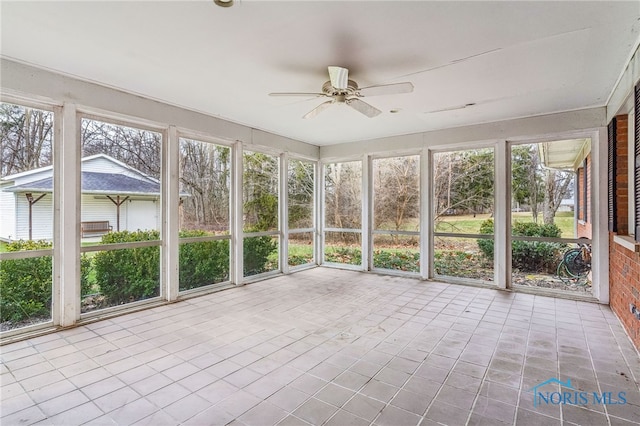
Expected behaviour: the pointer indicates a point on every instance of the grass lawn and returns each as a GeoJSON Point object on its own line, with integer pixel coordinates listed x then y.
{"type": "Point", "coordinates": [467, 224]}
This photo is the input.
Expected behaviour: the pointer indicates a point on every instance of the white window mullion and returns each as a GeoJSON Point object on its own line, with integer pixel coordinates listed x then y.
{"type": "Point", "coordinates": [283, 219]}
{"type": "Point", "coordinates": [367, 261]}
{"type": "Point", "coordinates": [171, 206]}
{"type": "Point", "coordinates": [319, 213]}
{"type": "Point", "coordinates": [67, 218]}
{"type": "Point", "coordinates": [426, 216]}
{"type": "Point", "coordinates": [502, 215]}
{"type": "Point", "coordinates": [236, 213]}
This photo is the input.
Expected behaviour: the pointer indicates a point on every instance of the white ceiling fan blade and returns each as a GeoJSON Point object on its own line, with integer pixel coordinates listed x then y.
{"type": "Point", "coordinates": [363, 107]}
{"type": "Point", "coordinates": [317, 110]}
{"type": "Point", "coordinates": [386, 89]}
{"type": "Point", "coordinates": [296, 94]}
{"type": "Point", "coordinates": [339, 77]}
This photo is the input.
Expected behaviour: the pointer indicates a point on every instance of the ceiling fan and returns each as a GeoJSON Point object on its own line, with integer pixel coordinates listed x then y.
{"type": "Point", "coordinates": [342, 90]}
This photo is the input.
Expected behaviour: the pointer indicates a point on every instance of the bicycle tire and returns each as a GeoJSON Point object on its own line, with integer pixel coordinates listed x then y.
{"type": "Point", "coordinates": [563, 273]}
{"type": "Point", "coordinates": [575, 264]}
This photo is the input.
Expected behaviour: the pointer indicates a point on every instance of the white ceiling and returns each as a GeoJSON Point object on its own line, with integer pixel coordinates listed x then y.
{"type": "Point", "coordinates": [512, 59]}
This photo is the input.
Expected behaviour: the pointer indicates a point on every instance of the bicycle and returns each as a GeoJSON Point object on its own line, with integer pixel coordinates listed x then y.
{"type": "Point", "coordinates": [575, 265]}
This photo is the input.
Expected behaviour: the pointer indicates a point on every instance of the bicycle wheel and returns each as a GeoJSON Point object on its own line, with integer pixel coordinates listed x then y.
{"type": "Point", "coordinates": [563, 273]}
{"type": "Point", "coordinates": [575, 263]}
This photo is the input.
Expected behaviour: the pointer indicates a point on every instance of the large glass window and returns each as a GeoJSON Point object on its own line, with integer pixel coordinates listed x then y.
{"type": "Point", "coordinates": [463, 202]}
{"type": "Point", "coordinates": [26, 216]}
{"type": "Point", "coordinates": [121, 214]}
{"type": "Point", "coordinates": [396, 213]}
{"type": "Point", "coordinates": [205, 183]}
{"type": "Point", "coordinates": [551, 215]}
{"type": "Point", "coordinates": [301, 195]}
{"type": "Point", "coordinates": [343, 213]}
{"type": "Point", "coordinates": [260, 204]}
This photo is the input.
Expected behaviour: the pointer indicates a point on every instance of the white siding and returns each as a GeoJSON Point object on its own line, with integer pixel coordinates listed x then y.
{"type": "Point", "coordinates": [42, 216]}
{"type": "Point", "coordinates": [106, 165]}
{"type": "Point", "coordinates": [134, 214]}
{"type": "Point", "coordinates": [7, 215]}
{"type": "Point", "coordinates": [94, 209]}
{"type": "Point", "coordinates": [31, 176]}
{"type": "Point", "coordinates": [142, 214]}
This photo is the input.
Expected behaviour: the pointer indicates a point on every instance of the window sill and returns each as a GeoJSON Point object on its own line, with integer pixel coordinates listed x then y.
{"type": "Point", "coordinates": [627, 242]}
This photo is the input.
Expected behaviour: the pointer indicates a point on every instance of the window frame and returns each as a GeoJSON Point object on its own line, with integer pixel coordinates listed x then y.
{"type": "Point", "coordinates": [175, 193]}
{"type": "Point", "coordinates": [287, 231]}
{"type": "Point", "coordinates": [55, 252]}
{"type": "Point", "coordinates": [161, 242]}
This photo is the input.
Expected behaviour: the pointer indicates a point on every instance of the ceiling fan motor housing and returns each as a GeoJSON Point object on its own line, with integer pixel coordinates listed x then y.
{"type": "Point", "coordinates": [328, 89]}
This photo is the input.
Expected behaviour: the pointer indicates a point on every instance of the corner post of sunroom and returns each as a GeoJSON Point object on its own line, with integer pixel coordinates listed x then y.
{"type": "Point", "coordinates": [236, 214]}
{"type": "Point", "coordinates": [426, 215]}
{"type": "Point", "coordinates": [171, 206]}
{"type": "Point", "coordinates": [599, 213]}
{"type": "Point", "coordinates": [502, 215]}
{"type": "Point", "coordinates": [67, 217]}
{"type": "Point", "coordinates": [283, 212]}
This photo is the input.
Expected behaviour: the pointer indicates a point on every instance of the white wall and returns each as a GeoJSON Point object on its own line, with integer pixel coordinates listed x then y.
{"type": "Point", "coordinates": [7, 215]}
{"type": "Point", "coordinates": [134, 215]}
{"type": "Point", "coordinates": [42, 216]}
{"type": "Point", "coordinates": [522, 128]}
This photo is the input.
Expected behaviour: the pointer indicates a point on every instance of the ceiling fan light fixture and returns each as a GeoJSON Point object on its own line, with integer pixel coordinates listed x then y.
{"type": "Point", "coordinates": [223, 3]}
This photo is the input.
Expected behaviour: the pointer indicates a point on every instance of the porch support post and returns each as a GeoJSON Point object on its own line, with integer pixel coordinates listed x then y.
{"type": "Point", "coordinates": [283, 203]}
{"type": "Point", "coordinates": [502, 216]}
{"type": "Point", "coordinates": [66, 181]}
{"type": "Point", "coordinates": [319, 212]}
{"type": "Point", "coordinates": [426, 215]}
{"type": "Point", "coordinates": [599, 225]}
{"type": "Point", "coordinates": [365, 225]}
{"type": "Point", "coordinates": [118, 203]}
{"type": "Point", "coordinates": [31, 202]}
{"type": "Point", "coordinates": [171, 205]}
{"type": "Point", "coordinates": [237, 210]}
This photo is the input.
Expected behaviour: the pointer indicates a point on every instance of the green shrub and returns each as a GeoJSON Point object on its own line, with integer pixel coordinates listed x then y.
{"type": "Point", "coordinates": [129, 274]}
{"type": "Point", "coordinates": [486, 246]}
{"type": "Point", "coordinates": [256, 254]}
{"type": "Point", "coordinates": [86, 269]}
{"type": "Point", "coordinates": [202, 263]}
{"type": "Point", "coordinates": [343, 254]}
{"type": "Point", "coordinates": [529, 256]}
{"type": "Point", "coordinates": [401, 260]}
{"type": "Point", "coordinates": [25, 284]}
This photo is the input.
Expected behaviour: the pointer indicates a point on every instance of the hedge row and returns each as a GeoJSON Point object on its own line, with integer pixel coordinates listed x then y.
{"type": "Point", "coordinates": [123, 275]}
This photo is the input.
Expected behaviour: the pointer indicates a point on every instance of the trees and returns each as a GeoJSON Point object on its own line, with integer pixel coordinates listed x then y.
{"type": "Point", "coordinates": [260, 191]}
{"type": "Point", "coordinates": [463, 182]}
{"type": "Point", "coordinates": [343, 191]}
{"type": "Point", "coordinates": [536, 186]}
{"type": "Point", "coordinates": [556, 187]}
{"type": "Point", "coordinates": [205, 177]}
{"type": "Point", "coordinates": [137, 148]}
{"type": "Point", "coordinates": [526, 178]}
{"type": "Point", "coordinates": [25, 139]}
{"type": "Point", "coordinates": [396, 191]}
{"type": "Point", "coordinates": [300, 183]}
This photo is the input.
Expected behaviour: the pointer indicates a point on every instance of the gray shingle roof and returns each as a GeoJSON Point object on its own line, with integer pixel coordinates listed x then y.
{"type": "Point", "coordinates": [92, 182]}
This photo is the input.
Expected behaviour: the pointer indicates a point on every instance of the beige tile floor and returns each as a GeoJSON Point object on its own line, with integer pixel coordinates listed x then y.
{"type": "Point", "coordinates": [329, 347]}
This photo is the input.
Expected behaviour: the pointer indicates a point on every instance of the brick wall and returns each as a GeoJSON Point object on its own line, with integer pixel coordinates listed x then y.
{"type": "Point", "coordinates": [624, 264]}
